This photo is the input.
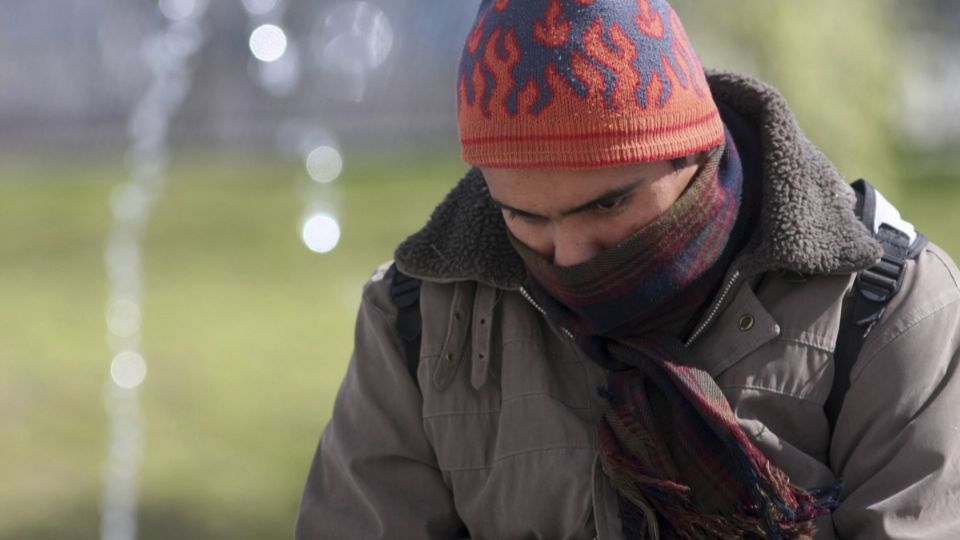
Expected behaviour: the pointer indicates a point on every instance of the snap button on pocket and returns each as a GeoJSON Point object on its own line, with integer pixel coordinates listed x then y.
{"type": "Point", "coordinates": [746, 322]}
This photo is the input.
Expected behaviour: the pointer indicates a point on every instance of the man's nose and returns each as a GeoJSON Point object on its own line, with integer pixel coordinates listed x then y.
{"type": "Point", "coordinates": [573, 246]}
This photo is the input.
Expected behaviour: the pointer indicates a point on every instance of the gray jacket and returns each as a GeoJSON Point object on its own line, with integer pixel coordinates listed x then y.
{"type": "Point", "coordinates": [497, 437]}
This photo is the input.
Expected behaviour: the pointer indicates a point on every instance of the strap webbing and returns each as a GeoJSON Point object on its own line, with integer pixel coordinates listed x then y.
{"type": "Point", "coordinates": [872, 291]}
{"type": "Point", "coordinates": [405, 292]}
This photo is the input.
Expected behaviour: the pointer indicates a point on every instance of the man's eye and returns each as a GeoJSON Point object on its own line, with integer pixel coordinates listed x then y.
{"type": "Point", "coordinates": [524, 217]}
{"type": "Point", "coordinates": [610, 204]}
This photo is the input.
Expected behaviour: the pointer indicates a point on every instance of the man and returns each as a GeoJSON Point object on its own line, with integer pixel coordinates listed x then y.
{"type": "Point", "coordinates": [628, 315]}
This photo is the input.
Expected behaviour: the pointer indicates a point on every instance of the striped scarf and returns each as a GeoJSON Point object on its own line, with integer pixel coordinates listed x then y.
{"type": "Point", "coordinates": [670, 444]}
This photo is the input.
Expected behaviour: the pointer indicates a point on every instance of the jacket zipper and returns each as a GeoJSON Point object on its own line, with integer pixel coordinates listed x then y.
{"type": "Point", "coordinates": [715, 310]}
{"type": "Point", "coordinates": [543, 312]}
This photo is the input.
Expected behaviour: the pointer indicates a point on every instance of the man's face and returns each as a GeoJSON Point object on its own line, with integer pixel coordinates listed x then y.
{"type": "Point", "coordinates": [570, 216]}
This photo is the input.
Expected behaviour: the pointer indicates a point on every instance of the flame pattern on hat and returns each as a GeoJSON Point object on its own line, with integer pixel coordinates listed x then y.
{"type": "Point", "coordinates": [602, 44]}
{"type": "Point", "coordinates": [535, 70]}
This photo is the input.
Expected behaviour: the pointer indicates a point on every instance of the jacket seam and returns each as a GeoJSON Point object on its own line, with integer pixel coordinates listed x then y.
{"type": "Point", "coordinates": [552, 397]}
{"type": "Point", "coordinates": [946, 267]}
{"type": "Point", "coordinates": [508, 400]}
{"type": "Point", "coordinates": [461, 413]}
{"type": "Point", "coordinates": [770, 391]}
{"type": "Point", "coordinates": [387, 318]}
{"type": "Point", "coordinates": [367, 299]}
{"type": "Point", "coordinates": [804, 339]}
{"type": "Point", "coordinates": [521, 453]}
{"type": "Point", "coordinates": [867, 361]}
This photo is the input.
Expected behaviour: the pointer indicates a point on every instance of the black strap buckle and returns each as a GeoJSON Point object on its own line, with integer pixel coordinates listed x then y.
{"type": "Point", "coordinates": [883, 281]}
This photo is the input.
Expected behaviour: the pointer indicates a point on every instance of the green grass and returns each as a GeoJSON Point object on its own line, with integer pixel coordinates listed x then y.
{"type": "Point", "coordinates": [246, 333]}
{"type": "Point", "coordinates": [930, 199]}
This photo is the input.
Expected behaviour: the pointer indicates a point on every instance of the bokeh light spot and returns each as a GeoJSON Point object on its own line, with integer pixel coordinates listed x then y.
{"type": "Point", "coordinates": [123, 317]}
{"type": "Point", "coordinates": [259, 7]}
{"type": "Point", "coordinates": [362, 38]}
{"type": "Point", "coordinates": [128, 369]}
{"type": "Point", "coordinates": [324, 164]}
{"type": "Point", "coordinates": [321, 233]}
{"type": "Point", "coordinates": [281, 77]}
{"type": "Point", "coordinates": [268, 42]}
{"type": "Point", "coordinates": [179, 10]}
{"type": "Point", "coordinates": [129, 202]}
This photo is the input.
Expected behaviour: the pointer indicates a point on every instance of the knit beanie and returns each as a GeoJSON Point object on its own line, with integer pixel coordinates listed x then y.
{"type": "Point", "coordinates": [570, 84]}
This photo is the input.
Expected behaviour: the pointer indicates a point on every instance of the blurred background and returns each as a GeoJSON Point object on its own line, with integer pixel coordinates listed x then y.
{"type": "Point", "coordinates": [192, 193]}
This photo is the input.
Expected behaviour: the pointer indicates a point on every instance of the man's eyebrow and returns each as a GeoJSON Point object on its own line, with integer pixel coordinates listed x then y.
{"type": "Point", "coordinates": [605, 196]}
{"type": "Point", "coordinates": [519, 212]}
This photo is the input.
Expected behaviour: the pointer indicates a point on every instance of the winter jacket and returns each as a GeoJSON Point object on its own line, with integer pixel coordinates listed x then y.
{"type": "Point", "coordinates": [496, 436]}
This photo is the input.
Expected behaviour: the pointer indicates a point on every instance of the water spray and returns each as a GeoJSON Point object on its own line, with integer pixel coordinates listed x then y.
{"type": "Point", "coordinates": [167, 54]}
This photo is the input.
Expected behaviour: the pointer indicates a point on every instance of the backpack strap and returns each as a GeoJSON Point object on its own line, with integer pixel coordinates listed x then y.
{"type": "Point", "coordinates": [873, 288]}
{"type": "Point", "coordinates": [405, 293]}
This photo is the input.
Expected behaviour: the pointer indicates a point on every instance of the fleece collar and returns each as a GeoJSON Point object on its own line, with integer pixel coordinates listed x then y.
{"type": "Point", "coordinates": [807, 219]}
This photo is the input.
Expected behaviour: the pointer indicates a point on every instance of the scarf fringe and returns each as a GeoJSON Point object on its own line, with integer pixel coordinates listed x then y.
{"type": "Point", "coordinates": [769, 506]}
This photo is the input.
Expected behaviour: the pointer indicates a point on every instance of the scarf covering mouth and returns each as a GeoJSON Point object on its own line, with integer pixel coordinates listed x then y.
{"type": "Point", "coordinates": [670, 444]}
{"type": "Point", "coordinates": [657, 279]}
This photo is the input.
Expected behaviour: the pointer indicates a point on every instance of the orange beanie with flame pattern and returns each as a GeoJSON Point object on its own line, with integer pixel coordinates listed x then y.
{"type": "Point", "coordinates": [568, 84]}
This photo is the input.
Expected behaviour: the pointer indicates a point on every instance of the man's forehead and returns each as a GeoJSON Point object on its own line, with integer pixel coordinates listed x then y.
{"type": "Point", "coordinates": [558, 191]}
{"type": "Point", "coordinates": [561, 184]}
